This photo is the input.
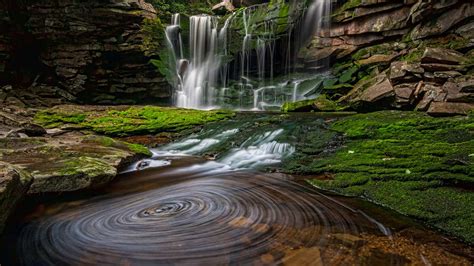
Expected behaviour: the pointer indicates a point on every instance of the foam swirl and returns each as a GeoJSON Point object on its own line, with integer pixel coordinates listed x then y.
{"type": "Point", "coordinates": [236, 217]}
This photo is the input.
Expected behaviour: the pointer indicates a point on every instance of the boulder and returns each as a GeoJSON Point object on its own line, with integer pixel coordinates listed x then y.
{"type": "Point", "coordinates": [378, 92]}
{"type": "Point", "coordinates": [377, 59]}
{"type": "Point", "coordinates": [449, 108]}
{"type": "Point", "coordinates": [223, 7]}
{"type": "Point", "coordinates": [455, 94]}
{"type": "Point", "coordinates": [442, 56]}
{"type": "Point", "coordinates": [14, 183]}
{"type": "Point", "coordinates": [404, 94]}
{"type": "Point", "coordinates": [68, 162]}
{"type": "Point", "coordinates": [431, 93]}
{"type": "Point", "coordinates": [404, 71]}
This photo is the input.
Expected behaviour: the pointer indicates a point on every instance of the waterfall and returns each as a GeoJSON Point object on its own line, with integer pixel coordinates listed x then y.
{"type": "Point", "coordinates": [316, 17]}
{"type": "Point", "coordinates": [202, 74]}
{"type": "Point", "coordinates": [257, 150]}
{"type": "Point", "coordinates": [200, 77]}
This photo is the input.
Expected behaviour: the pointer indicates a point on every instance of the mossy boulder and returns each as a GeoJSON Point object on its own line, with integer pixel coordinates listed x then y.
{"type": "Point", "coordinates": [320, 104]}
{"type": "Point", "coordinates": [127, 120]}
{"type": "Point", "coordinates": [69, 162]}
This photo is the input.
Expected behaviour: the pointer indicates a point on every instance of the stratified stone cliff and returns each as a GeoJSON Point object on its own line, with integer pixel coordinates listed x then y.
{"type": "Point", "coordinates": [80, 51]}
{"type": "Point", "coordinates": [399, 54]}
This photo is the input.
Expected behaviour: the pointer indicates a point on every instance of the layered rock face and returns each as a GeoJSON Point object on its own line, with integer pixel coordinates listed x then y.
{"type": "Point", "coordinates": [85, 51]}
{"type": "Point", "coordinates": [406, 54]}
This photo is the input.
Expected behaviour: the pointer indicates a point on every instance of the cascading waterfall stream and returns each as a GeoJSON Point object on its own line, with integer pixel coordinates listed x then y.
{"type": "Point", "coordinates": [202, 80]}
{"type": "Point", "coordinates": [180, 209]}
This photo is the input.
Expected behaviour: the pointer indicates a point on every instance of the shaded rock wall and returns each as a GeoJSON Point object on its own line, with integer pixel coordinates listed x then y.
{"type": "Point", "coordinates": [80, 51]}
{"type": "Point", "coordinates": [402, 54]}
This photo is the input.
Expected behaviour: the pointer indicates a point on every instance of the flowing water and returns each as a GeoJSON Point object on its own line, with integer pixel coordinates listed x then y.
{"type": "Point", "coordinates": [202, 76]}
{"type": "Point", "coordinates": [180, 209]}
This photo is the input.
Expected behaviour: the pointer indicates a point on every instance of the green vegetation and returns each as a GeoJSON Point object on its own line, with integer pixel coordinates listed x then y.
{"type": "Point", "coordinates": [322, 103]}
{"type": "Point", "coordinates": [110, 142]}
{"type": "Point", "coordinates": [126, 121]}
{"type": "Point", "coordinates": [415, 164]}
{"type": "Point", "coordinates": [166, 8]}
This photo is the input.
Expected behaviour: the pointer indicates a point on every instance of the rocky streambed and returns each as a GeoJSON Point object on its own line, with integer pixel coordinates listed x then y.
{"type": "Point", "coordinates": [414, 164]}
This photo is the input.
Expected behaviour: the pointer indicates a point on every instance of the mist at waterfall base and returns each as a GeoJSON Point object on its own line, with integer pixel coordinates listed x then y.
{"type": "Point", "coordinates": [259, 77]}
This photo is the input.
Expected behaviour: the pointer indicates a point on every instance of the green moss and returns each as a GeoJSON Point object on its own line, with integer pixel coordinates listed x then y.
{"type": "Point", "coordinates": [139, 149]}
{"type": "Point", "coordinates": [110, 142]}
{"type": "Point", "coordinates": [305, 105]}
{"type": "Point", "coordinates": [351, 4]}
{"type": "Point", "coordinates": [413, 56]}
{"type": "Point", "coordinates": [130, 121]}
{"type": "Point", "coordinates": [321, 104]}
{"type": "Point", "coordinates": [51, 120]}
{"type": "Point", "coordinates": [347, 76]}
{"type": "Point", "coordinates": [153, 36]}
{"type": "Point", "coordinates": [415, 164]}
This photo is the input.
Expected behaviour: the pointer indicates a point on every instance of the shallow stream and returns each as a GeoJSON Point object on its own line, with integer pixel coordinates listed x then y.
{"type": "Point", "coordinates": [205, 199]}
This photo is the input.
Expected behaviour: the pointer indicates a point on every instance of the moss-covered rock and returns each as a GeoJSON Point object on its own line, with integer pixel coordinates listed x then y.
{"type": "Point", "coordinates": [70, 162]}
{"type": "Point", "coordinates": [127, 120]}
{"type": "Point", "coordinates": [320, 104]}
{"type": "Point", "coordinates": [415, 164]}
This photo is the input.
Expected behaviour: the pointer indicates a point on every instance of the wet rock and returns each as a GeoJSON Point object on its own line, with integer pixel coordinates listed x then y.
{"type": "Point", "coordinates": [431, 93]}
{"type": "Point", "coordinates": [404, 94]}
{"type": "Point", "coordinates": [13, 185]}
{"type": "Point", "coordinates": [87, 48]}
{"type": "Point", "coordinates": [68, 162]}
{"type": "Point", "coordinates": [378, 92]}
{"type": "Point", "coordinates": [404, 71]}
{"type": "Point", "coordinates": [377, 59]}
{"type": "Point", "coordinates": [446, 74]}
{"type": "Point", "coordinates": [455, 94]}
{"type": "Point", "coordinates": [434, 67]}
{"type": "Point", "coordinates": [442, 23]}
{"type": "Point", "coordinates": [223, 7]}
{"type": "Point", "coordinates": [449, 108]}
{"type": "Point", "coordinates": [379, 22]}
{"type": "Point", "coordinates": [442, 56]}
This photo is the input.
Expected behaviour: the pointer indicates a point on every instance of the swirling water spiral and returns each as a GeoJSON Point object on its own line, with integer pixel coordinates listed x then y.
{"type": "Point", "coordinates": [236, 217]}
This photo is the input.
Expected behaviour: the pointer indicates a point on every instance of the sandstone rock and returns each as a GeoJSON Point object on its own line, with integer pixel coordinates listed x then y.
{"type": "Point", "coordinates": [403, 71]}
{"type": "Point", "coordinates": [455, 94]}
{"type": "Point", "coordinates": [223, 7]}
{"type": "Point", "coordinates": [13, 185]}
{"type": "Point", "coordinates": [89, 47]}
{"type": "Point", "coordinates": [449, 108]}
{"type": "Point", "coordinates": [377, 59]}
{"type": "Point", "coordinates": [440, 24]}
{"type": "Point", "coordinates": [466, 31]}
{"type": "Point", "coordinates": [378, 92]}
{"type": "Point", "coordinates": [442, 56]}
{"type": "Point", "coordinates": [434, 67]}
{"type": "Point", "coordinates": [68, 162]}
{"type": "Point", "coordinates": [404, 94]}
{"type": "Point", "coordinates": [380, 22]}
{"type": "Point", "coordinates": [446, 74]}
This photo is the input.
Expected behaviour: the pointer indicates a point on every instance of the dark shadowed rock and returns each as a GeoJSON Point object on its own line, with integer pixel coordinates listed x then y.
{"type": "Point", "coordinates": [13, 185]}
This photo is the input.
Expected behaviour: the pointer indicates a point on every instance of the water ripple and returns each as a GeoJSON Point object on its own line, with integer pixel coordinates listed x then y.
{"type": "Point", "coordinates": [233, 218]}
